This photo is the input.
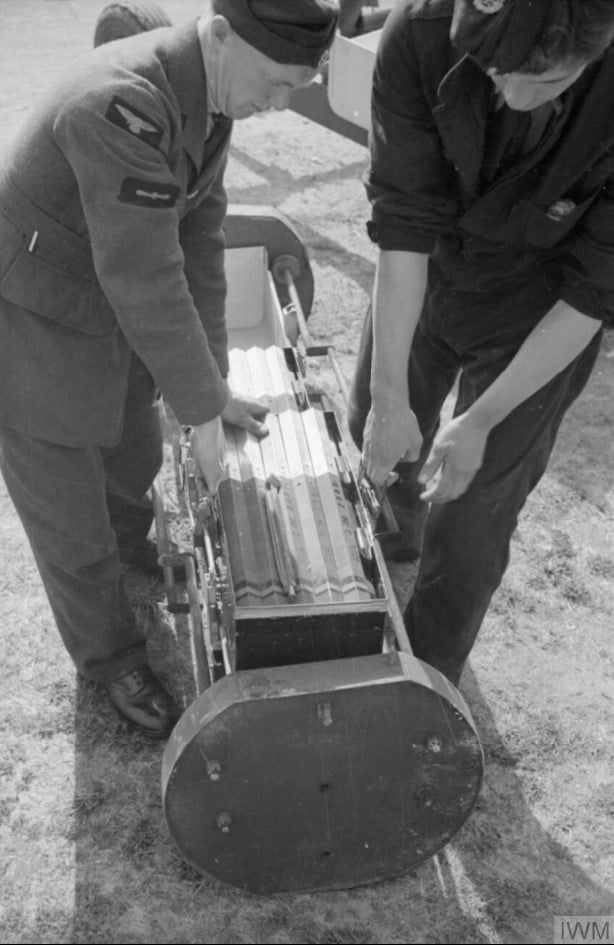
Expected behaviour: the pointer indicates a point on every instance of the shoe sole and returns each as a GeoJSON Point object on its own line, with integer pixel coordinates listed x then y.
{"type": "Point", "coordinates": [141, 729]}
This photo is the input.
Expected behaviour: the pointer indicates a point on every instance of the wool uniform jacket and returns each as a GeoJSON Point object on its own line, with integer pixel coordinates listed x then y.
{"type": "Point", "coordinates": [548, 219]}
{"type": "Point", "coordinates": [111, 244]}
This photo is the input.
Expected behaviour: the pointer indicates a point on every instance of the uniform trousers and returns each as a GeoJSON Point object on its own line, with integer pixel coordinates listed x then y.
{"type": "Point", "coordinates": [80, 508]}
{"type": "Point", "coordinates": [466, 541]}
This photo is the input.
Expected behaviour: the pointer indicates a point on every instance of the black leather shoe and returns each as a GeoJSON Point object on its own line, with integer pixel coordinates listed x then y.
{"type": "Point", "coordinates": [142, 700]}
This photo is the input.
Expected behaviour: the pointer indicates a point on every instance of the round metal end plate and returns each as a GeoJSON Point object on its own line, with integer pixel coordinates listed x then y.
{"type": "Point", "coordinates": [321, 775]}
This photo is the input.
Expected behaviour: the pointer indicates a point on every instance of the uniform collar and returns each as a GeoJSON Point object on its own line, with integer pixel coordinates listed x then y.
{"type": "Point", "coordinates": [187, 77]}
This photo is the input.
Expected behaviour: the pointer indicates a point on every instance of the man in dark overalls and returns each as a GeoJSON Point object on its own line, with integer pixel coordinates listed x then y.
{"type": "Point", "coordinates": [112, 287]}
{"type": "Point", "coordinates": [492, 191]}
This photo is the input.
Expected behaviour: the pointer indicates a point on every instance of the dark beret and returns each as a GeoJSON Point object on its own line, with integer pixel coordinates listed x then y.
{"type": "Point", "coordinates": [499, 34]}
{"type": "Point", "coordinates": [293, 32]}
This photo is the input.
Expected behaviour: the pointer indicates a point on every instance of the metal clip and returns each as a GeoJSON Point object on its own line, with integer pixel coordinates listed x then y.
{"type": "Point", "coordinates": [300, 395]}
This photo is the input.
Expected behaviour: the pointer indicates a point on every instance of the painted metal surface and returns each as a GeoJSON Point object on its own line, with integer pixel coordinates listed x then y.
{"type": "Point", "coordinates": [321, 775]}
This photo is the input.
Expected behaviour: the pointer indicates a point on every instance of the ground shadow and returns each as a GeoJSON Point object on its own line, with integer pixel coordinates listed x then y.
{"type": "Point", "coordinates": [276, 180]}
{"type": "Point", "coordinates": [522, 875]}
{"type": "Point", "coordinates": [485, 887]}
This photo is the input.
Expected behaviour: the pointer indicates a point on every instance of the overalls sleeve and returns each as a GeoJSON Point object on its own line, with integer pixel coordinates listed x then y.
{"type": "Point", "coordinates": [588, 267]}
{"type": "Point", "coordinates": [409, 182]}
{"type": "Point", "coordinates": [116, 141]}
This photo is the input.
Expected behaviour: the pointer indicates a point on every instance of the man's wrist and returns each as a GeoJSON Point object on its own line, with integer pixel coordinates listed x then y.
{"type": "Point", "coordinates": [386, 394]}
{"type": "Point", "coordinates": [484, 416]}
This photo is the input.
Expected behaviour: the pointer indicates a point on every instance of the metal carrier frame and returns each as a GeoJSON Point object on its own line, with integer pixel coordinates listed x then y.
{"type": "Point", "coordinates": [319, 752]}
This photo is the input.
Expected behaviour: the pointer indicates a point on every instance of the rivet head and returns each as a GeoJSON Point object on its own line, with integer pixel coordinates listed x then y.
{"type": "Point", "coordinates": [223, 821]}
{"type": "Point", "coordinates": [325, 714]}
{"type": "Point", "coordinates": [214, 770]}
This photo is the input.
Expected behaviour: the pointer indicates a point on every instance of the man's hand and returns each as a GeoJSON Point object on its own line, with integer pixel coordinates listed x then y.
{"type": "Point", "coordinates": [246, 413]}
{"type": "Point", "coordinates": [391, 434]}
{"type": "Point", "coordinates": [455, 457]}
{"type": "Point", "coordinates": [208, 443]}
{"type": "Point", "coordinates": [209, 448]}
{"type": "Point", "coordinates": [458, 450]}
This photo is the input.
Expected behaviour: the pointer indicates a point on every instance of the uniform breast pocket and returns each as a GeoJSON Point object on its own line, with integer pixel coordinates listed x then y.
{"type": "Point", "coordinates": [546, 228]}
{"type": "Point", "coordinates": [39, 285]}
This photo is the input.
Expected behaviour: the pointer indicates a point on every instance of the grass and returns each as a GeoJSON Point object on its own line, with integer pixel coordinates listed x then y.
{"type": "Point", "coordinates": [84, 851]}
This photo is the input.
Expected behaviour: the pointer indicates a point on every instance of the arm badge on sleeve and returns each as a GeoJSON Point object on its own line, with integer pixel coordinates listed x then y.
{"type": "Point", "coordinates": [129, 118]}
{"type": "Point", "coordinates": [147, 193]}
